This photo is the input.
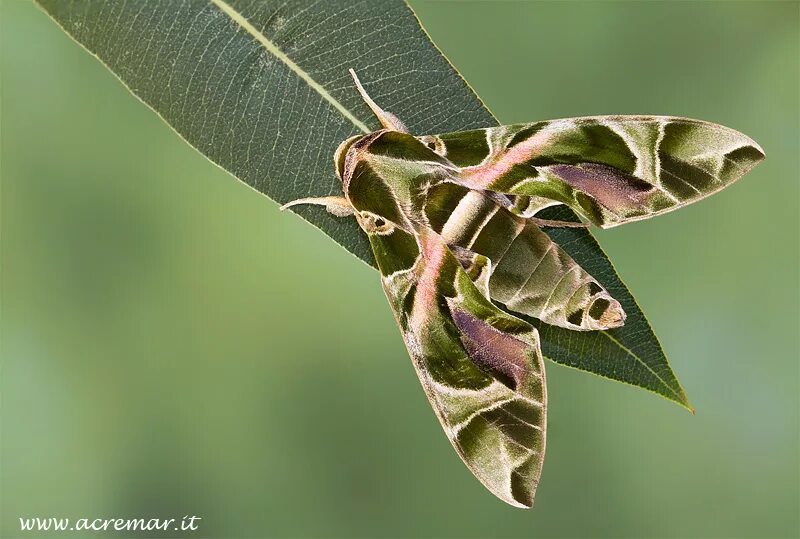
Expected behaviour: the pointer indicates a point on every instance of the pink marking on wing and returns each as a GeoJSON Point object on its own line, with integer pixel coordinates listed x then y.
{"type": "Point", "coordinates": [482, 176]}
{"type": "Point", "coordinates": [433, 257]}
{"type": "Point", "coordinates": [434, 253]}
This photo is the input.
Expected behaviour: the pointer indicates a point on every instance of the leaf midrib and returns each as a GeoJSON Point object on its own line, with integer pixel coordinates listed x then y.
{"type": "Point", "coordinates": [273, 49]}
{"type": "Point", "coordinates": [679, 397]}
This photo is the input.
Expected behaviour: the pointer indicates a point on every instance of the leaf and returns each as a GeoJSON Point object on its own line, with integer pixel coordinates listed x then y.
{"type": "Point", "coordinates": [631, 353]}
{"type": "Point", "coordinates": [262, 90]}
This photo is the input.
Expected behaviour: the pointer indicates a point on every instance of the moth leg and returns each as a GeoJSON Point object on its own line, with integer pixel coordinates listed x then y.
{"type": "Point", "coordinates": [557, 224]}
{"type": "Point", "coordinates": [338, 206]}
{"type": "Point", "coordinates": [387, 119]}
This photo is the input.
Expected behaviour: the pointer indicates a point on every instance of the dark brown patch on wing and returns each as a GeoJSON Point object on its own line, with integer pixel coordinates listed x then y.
{"type": "Point", "coordinates": [612, 188]}
{"type": "Point", "coordinates": [502, 355]}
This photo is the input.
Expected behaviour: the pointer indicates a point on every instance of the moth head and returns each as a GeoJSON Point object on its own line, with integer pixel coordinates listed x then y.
{"type": "Point", "coordinates": [434, 144]}
{"type": "Point", "coordinates": [341, 154]}
{"type": "Point", "coordinates": [372, 223]}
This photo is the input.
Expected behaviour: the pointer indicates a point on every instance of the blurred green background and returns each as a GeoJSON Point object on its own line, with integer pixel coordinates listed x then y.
{"type": "Point", "coordinates": [174, 345]}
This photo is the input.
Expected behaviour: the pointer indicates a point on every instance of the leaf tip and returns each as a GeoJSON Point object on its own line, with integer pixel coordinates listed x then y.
{"type": "Point", "coordinates": [684, 402]}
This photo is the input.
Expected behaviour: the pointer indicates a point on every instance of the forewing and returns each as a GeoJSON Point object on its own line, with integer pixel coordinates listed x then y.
{"type": "Point", "coordinates": [610, 169]}
{"type": "Point", "coordinates": [480, 367]}
{"type": "Point", "coordinates": [529, 273]}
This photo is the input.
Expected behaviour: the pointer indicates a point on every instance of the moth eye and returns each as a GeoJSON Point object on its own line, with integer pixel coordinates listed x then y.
{"type": "Point", "coordinates": [434, 144]}
{"type": "Point", "coordinates": [375, 224]}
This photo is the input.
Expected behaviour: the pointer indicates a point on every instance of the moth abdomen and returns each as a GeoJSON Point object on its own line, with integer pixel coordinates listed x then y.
{"type": "Point", "coordinates": [592, 308]}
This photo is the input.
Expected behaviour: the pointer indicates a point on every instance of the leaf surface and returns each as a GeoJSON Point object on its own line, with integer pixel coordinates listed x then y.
{"type": "Point", "coordinates": [262, 90]}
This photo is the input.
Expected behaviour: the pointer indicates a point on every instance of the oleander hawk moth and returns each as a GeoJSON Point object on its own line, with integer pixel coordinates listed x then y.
{"type": "Point", "coordinates": [452, 221]}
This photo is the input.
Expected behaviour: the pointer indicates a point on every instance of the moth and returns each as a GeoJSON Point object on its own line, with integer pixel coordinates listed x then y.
{"type": "Point", "coordinates": [452, 221]}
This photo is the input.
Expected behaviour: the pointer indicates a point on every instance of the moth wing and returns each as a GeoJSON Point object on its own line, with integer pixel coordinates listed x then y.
{"type": "Point", "coordinates": [527, 271]}
{"type": "Point", "coordinates": [480, 367]}
{"type": "Point", "coordinates": [609, 169]}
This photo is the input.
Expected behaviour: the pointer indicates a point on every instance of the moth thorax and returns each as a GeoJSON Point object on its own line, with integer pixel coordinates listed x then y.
{"type": "Point", "coordinates": [341, 154]}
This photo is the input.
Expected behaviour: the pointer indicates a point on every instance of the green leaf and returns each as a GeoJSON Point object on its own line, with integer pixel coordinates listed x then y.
{"type": "Point", "coordinates": [631, 353]}
{"type": "Point", "coordinates": [262, 90]}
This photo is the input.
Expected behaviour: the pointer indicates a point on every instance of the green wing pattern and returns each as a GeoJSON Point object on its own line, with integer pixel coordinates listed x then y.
{"type": "Point", "coordinates": [528, 272]}
{"type": "Point", "coordinates": [610, 169]}
{"type": "Point", "coordinates": [480, 367]}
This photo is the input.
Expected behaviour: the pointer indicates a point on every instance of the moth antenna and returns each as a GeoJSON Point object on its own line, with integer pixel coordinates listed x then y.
{"type": "Point", "coordinates": [387, 119]}
{"type": "Point", "coordinates": [338, 206]}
